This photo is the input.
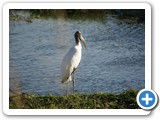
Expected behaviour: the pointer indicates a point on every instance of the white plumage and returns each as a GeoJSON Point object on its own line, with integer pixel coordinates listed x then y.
{"type": "Point", "coordinates": [71, 60]}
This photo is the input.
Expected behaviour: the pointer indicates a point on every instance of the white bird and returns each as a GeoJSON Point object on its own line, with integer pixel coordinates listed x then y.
{"type": "Point", "coordinates": [71, 60]}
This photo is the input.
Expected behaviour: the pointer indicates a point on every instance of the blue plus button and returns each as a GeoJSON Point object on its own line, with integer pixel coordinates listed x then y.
{"type": "Point", "coordinates": [147, 99]}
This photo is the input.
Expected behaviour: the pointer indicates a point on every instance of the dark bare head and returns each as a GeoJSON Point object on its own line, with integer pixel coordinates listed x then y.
{"type": "Point", "coordinates": [79, 38]}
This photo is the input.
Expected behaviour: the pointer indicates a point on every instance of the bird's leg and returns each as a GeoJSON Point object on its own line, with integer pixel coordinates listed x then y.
{"type": "Point", "coordinates": [73, 78]}
{"type": "Point", "coordinates": [73, 82]}
{"type": "Point", "coordinates": [67, 86]}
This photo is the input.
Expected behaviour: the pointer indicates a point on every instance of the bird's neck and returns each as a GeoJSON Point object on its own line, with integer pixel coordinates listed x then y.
{"type": "Point", "coordinates": [79, 45]}
{"type": "Point", "coordinates": [77, 40]}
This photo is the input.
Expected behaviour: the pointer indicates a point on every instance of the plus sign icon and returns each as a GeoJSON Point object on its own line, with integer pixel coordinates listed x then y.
{"type": "Point", "coordinates": [147, 99]}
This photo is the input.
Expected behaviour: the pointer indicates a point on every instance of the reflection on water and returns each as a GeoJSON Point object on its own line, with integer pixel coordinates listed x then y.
{"type": "Point", "coordinates": [113, 62]}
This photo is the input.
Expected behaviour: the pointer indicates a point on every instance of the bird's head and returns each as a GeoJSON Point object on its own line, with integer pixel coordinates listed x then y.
{"type": "Point", "coordinates": [79, 37]}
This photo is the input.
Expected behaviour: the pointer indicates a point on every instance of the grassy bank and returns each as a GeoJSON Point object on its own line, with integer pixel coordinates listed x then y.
{"type": "Point", "coordinates": [132, 15]}
{"type": "Point", "coordinates": [124, 100]}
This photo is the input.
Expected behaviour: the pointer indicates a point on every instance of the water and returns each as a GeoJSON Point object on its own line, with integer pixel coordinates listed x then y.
{"type": "Point", "coordinates": [114, 60]}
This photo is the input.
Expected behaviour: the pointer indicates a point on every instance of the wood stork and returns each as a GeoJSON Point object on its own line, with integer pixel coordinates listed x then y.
{"type": "Point", "coordinates": [71, 60]}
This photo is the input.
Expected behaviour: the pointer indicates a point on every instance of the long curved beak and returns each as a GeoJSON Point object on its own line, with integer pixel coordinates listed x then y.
{"type": "Point", "coordinates": [83, 42]}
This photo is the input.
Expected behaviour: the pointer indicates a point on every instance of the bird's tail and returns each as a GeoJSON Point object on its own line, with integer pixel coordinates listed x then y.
{"type": "Point", "coordinates": [66, 80]}
{"type": "Point", "coordinates": [62, 81]}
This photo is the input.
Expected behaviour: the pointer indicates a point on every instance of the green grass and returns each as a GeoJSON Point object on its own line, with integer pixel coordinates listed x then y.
{"type": "Point", "coordinates": [124, 100]}
{"type": "Point", "coordinates": [131, 16]}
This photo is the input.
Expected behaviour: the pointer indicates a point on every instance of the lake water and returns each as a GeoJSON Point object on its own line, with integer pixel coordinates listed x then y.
{"type": "Point", "coordinates": [114, 60]}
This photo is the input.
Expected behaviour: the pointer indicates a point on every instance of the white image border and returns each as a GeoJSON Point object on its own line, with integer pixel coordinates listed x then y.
{"type": "Point", "coordinates": [8, 6]}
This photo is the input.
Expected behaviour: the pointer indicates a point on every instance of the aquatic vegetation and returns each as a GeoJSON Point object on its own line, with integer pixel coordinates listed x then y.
{"type": "Point", "coordinates": [130, 16]}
